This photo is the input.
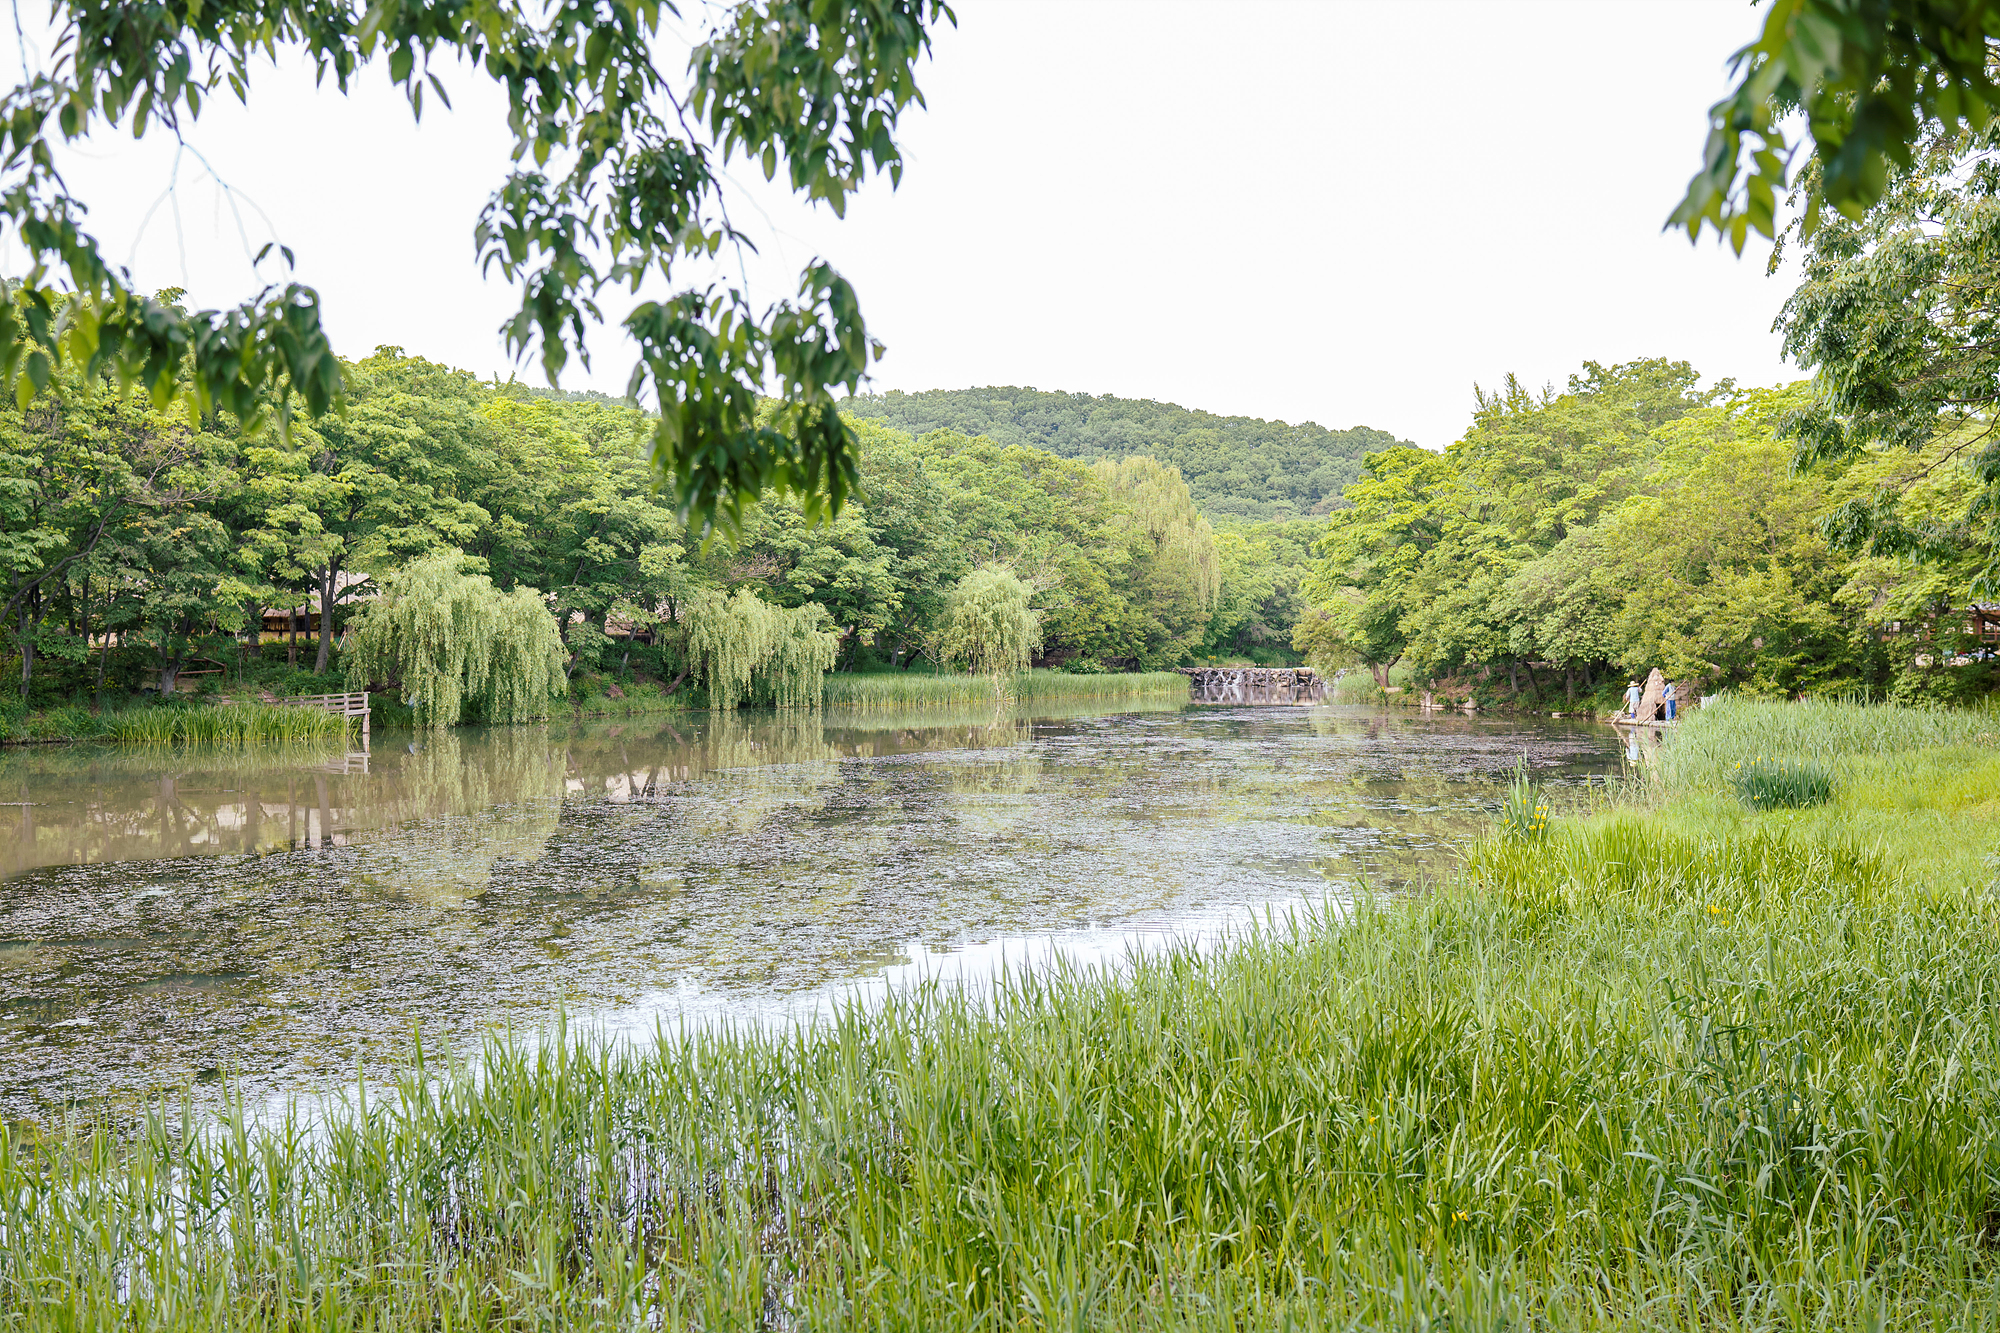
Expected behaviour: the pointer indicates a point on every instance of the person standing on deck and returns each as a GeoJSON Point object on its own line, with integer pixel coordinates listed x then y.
{"type": "Point", "coordinates": [1667, 698]}
{"type": "Point", "coordinates": [1632, 697]}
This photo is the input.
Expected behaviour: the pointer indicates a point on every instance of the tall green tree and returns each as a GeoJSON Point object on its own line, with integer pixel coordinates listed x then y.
{"type": "Point", "coordinates": [1260, 567]}
{"type": "Point", "coordinates": [742, 647]}
{"type": "Point", "coordinates": [912, 523]}
{"type": "Point", "coordinates": [1372, 554]}
{"type": "Point", "coordinates": [82, 471]}
{"type": "Point", "coordinates": [1539, 464]}
{"type": "Point", "coordinates": [1897, 314]}
{"type": "Point", "coordinates": [1167, 551]}
{"type": "Point", "coordinates": [1047, 518]}
{"type": "Point", "coordinates": [395, 476]}
{"type": "Point", "coordinates": [1726, 572]}
{"type": "Point", "coordinates": [1563, 606]}
{"type": "Point", "coordinates": [570, 510]}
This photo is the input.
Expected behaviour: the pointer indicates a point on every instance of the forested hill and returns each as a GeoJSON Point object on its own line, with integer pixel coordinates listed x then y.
{"type": "Point", "coordinates": [1237, 466]}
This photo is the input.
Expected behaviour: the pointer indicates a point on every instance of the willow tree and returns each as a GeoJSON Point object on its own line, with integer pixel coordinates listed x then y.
{"type": "Point", "coordinates": [1174, 568]}
{"type": "Point", "coordinates": [743, 647]}
{"type": "Point", "coordinates": [447, 639]}
{"type": "Point", "coordinates": [989, 625]}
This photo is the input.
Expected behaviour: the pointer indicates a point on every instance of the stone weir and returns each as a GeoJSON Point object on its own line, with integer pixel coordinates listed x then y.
{"type": "Point", "coordinates": [1254, 685]}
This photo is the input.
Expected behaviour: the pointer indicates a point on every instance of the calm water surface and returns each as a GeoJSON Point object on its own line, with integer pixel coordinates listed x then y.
{"type": "Point", "coordinates": [168, 917]}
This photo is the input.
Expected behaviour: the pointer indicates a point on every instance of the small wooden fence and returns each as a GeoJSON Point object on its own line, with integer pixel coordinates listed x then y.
{"type": "Point", "coordinates": [341, 705]}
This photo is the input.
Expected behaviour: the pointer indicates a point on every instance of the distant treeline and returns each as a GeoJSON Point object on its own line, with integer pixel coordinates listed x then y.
{"type": "Point", "coordinates": [137, 544]}
{"type": "Point", "coordinates": [1241, 467]}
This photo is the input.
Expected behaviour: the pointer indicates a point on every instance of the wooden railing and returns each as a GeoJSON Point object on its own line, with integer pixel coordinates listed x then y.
{"type": "Point", "coordinates": [343, 705]}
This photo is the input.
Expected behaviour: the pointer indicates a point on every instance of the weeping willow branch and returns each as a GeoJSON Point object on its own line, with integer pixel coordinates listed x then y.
{"type": "Point", "coordinates": [743, 648]}
{"type": "Point", "coordinates": [989, 625]}
{"type": "Point", "coordinates": [450, 639]}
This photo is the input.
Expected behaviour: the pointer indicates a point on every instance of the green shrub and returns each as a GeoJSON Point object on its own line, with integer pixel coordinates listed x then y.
{"type": "Point", "coordinates": [1782, 784]}
{"type": "Point", "coordinates": [1524, 811]}
{"type": "Point", "coordinates": [70, 722]}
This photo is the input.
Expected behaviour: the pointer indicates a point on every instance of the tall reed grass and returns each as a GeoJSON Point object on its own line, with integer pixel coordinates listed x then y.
{"type": "Point", "coordinates": [1781, 784]}
{"type": "Point", "coordinates": [905, 689]}
{"type": "Point", "coordinates": [1525, 811]}
{"type": "Point", "coordinates": [1711, 741]}
{"type": "Point", "coordinates": [226, 725]}
{"type": "Point", "coordinates": [1612, 1078]}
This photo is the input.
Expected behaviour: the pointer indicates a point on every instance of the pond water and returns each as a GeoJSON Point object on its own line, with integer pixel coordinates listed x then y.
{"type": "Point", "coordinates": [173, 917]}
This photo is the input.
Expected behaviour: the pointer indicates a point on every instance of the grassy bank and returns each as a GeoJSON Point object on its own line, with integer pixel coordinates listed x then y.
{"type": "Point", "coordinates": [1681, 1067]}
{"type": "Point", "coordinates": [1917, 787]}
{"type": "Point", "coordinates": [593, 697]}
{"type": "Point", "coordinates": [199, 722]}
{"type": "Point", "coordinates": [907, 689]}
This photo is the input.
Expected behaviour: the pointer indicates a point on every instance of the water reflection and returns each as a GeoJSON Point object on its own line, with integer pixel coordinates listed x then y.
{"type": "Point", "coordinates": [169, 917]}
{"type": "Point", "coordinates": [1255, 685]}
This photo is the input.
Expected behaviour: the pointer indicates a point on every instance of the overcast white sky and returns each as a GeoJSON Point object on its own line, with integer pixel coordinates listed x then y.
{"type": "Point", "coordinates": [1344, 212]}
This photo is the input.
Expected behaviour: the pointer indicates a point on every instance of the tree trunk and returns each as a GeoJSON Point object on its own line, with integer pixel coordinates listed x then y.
{"type": "Point", "coordinates": [1569, 683]}
{"type": "Point", "coordinates": [170, 666]}
{"type": "Point", "coordinates": [563, 633]}
{"type": "Point", "coordinates": [292, 627]}
{"type": "Point", "coordinates": [27, 649]}
{"type": "Point", "coordinates": [328, 577]}
{"type": "Point", "coordinates": [1533, 680]}
{"type": "Point", "coordinates": [103, 656]}
{"type": "Point", "coordinates": [255, 630]}
{"type": "Point", "coordinates": [1513, 676]}
{"type": "Point", "coordinates": [563, 629]}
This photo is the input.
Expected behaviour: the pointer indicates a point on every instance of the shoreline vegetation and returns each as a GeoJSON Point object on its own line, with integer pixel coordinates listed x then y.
{"type": "Point", "coordinates": [184, 725]}
{"type": "Point", "coordinates": [215, 723]}
{"type": "Point", "coordinates": [910, 689]}
{"type": "Point", "coordinates": [1675, 1063]}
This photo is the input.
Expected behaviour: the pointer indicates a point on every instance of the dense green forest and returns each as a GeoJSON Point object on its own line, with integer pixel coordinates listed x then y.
{"type": "Point", "coordinates": [1239, 467]}
{"type": "Point", "coordinates": [138, 548]}
{"type": "Point", "coordinates": [1570, 540]}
